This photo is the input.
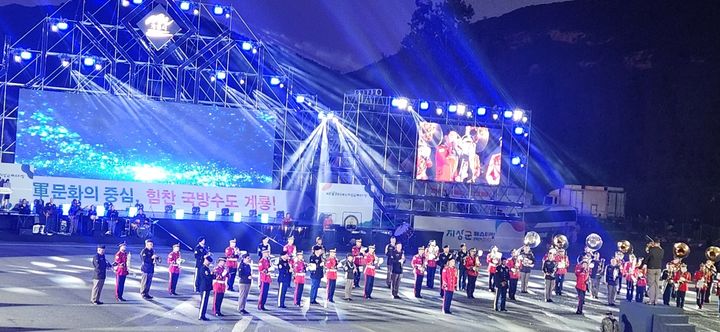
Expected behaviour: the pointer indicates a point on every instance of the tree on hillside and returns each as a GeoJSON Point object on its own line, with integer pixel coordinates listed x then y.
{"type": "Point", "coordinates": [436, 23]}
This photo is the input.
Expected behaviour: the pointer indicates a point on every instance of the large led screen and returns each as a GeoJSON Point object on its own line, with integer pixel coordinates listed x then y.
{"type": "Point", "coordinates": [127, 139]}
{"type": "Point", "coordinates": [452, 153]}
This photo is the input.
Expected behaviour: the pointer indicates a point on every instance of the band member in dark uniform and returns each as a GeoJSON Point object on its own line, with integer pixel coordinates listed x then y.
{"type": "Point", "coordinates": [418, 264]}
{"type": "Point", "coordinates": [174, 260]}
{"type": "Point", "coordinates": [461, 268]}
{"type": "Point", "coordinates": [348, 265]}
{"type": "Point", "coordinates": [122, 269]}
{"type": "Point", "coordinates": [112, 219]}
{"type": "Point", "coordinates": [449, 281]}
{"type": "Point", "coordinates": [265, 279]}
{"type": "Point", "coordinates": [74, 214]}
{"type": "Point", "coordinates": [502, 282]}
{"type": "Point", "coordinates": [219, 285]}
{"type": "Point", "coordinates": [100, 266]}
{"type": "Point", "coordinates": [244, 282]}
{"type": "Point", "coordinates": [396, 269]}
{"type": "Point", "coordinates": [264, 245]}
{"type": "Point", "coordinates": [442, 262]}
{"type": "Point", "coordinates": [148, 257]}
{"type": "Point", "coordinates": [315, 266]}
{"type": "Point", "coordinates": [200, 252]}
{"type": "Point", "coordinates": [205, 279]}
{"type": "Point", "coordinates": [549, 269]}
{"type": "Point", "coordinates": [389, 248]}
{"type": "Point", "coordinates": [232, 255]}
{"type": "Point", "coordinates": [49, 211]}
{"type": "Point", "coordinates": [284, 278]}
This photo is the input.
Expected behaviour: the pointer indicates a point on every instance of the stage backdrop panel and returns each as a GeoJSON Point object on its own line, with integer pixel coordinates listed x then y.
{"type": "Point", "coordinates": [477, 233]}
{"type": "Point", "coordinates": [129, 139]}
{"type": "Point", "coordinates": [343, 204]}
{"type": "Point", "coordinates": [154, 196]}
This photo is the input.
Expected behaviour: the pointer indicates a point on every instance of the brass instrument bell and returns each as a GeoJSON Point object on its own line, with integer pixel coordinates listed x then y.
{"type": "Point", "coordinates": [593, 242]}
{"type": "Point", "coordinates": [624, 246]}
{"type": "Point", "coordinates": [681, 250]}
{"type": "Point", "coordinates": [560, 241]}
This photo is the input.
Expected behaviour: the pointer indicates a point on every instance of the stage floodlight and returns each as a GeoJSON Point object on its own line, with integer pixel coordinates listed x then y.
{"type": "Point", "coordinates": [218, 10]}
{"type": "Point", "coordinates": [185, 5]}
{"type": "Point", "coordinates": [439, 111]}
{"type": "Point", "coordinates": [481, 111]}
{"type": "Point", "coordinates": [524, 119]}
{"type": "Point", "coordinates": [179, 214]}
{"type": "Point", "coordinates": [221, 75]}
{"type": "Point", "coordinates": [212, 215]}
{"type": "Point", "coordinates": [299, 99]}
{"type": "Point", "coordinates": [526, 134]}
{"type": "Point", "coordinates": [330, 116]}
{"type": "Point", "coordinates": [98, 66]}
{"type": "Point", "coordinates": [25, 55]}
{"type": "Point", "coordinates": [227, 15]}
{"type": "Point", "coordinates": [242, 81]}
{"type": "Point", "coordinates": [321, 115]}
{"type": "Point", "coordinates": [254, 50]}
{"type": "Point", "coordinates": [515, 161]}
{"type": "Point", "coordinates": [400, 103]}
{"type": "Point", "coordinates": [237, 216]}
{"type": "Point", "coordinates": [508, 114]}
{"type": "Point", "coordinates": [274, 81]}
{"type": "Point", "coordinates": [132, 211]}
{"type": "Point", "coordinates": [100, 209]}
{"type": "Point", "coordinates": [212, 78]}
{"type": "Point", "coordinates": [196, 11]}
{"type": "Point", "coordinates": [264, 218]}
{"type": "Point", "coordinates": [495, 116]}
{"type": "Point", "coordinates": [246, 46]}
{"type": "Point", "coordinates": [89, 61]}
{"type": "Point", "coordinates": [54, 28]}
{"type": "Point", "coordinates": [125, 3]}
{"type": "Point", "coordinates": [517, 115]}
{"type": "Point", "coordinates": [461, 109]}
{"type": "Point", "coordinates": [469, 114]}
{"type": "Point", "coordinates": [281, 85]}
{"type": "Point", "coordinates": [137, 2]}
{"type": "Point", "coordinates": [62, 25]}
{"type": "Point", "coordinates": [65, 62]}
{"type": "Point", "coordinates": [410, 108]}
{"type": "Point", "coordinates": [17, 58]}
{"type": "Point", "coordinates": [519, 130]}
{"type": "Point", "coordinates": [424, 105]}
{"type": "Point", "coordinates": [452, 108]}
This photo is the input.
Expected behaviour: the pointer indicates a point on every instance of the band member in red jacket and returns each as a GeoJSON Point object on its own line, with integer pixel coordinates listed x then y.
{"type": "Point", "coordinates": [701, 285]}
{"type": "Point", "coordinates": [359, 261]}
{"type": "Point", "coordinates": [449, 282]}
{"type": "Point", "coordinates": [418, 265]}
{"type": "Point", "coordinates": [513, 263]}
{"type": "Point", "coordinates": [563, 263]}
{"type": "Point", "coordinates": [681, 280]}
{"type": "Point", "coordinates": [232, 254]}
{"type": "Point", "coordinates": [371, 263]}
{"type": "Point", "coordinates": [431, 255]}
{"type": "Point", "coordinates": [472, 266]}
{"type": "Point", "coordinates": [174, 260]}
{"type": "Point", "coordinates": [265, 279]}
{"type": "Point", "coordinates": [219, 284]}
{"type": "Point", "coordinates": [582, 275]}
{"type": "Point", "coordinates": [121, 270]}
{"type": "Point", "coordinates": [331, 274]}
{"type": "Point", "coordinates": [493, 260]}
{"type": "Point", "coordinates": [299, 277]}
{"type": "Point", "coordinates": [290, 247]}
{"type": "Point", "coordinates": [641, 283]}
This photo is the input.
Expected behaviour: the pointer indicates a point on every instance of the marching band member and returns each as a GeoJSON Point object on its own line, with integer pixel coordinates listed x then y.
{"type": "Point", "coordinates": [315, 266]}
{"type": "Point", "coordinates": [700, 286]}
{"type": "Point", "coordinates": [582, 274]}
{"type": "Point", "coordinates": [231, 256]}
{"type": "Point", "coordinates": [358, 260]}
{"type": "Point", "coordinates": [461, 266]}
{"type": "Point", "coordinates": [513, 264]}
{"type": "Point", "coordinates": [319, 243]}
{"type": "Point", "coordinates": [100, 265]}
{"type": "Point", "coordinates": [641, 284]}
{"type": "Point", "coordinates": [205, 278]}
{"type": "Point", "coordinates": [681, 279]}
{"type": "Point", "coordinates": [389, 248]}
{"type": "Point", "coordinates": [562, 261]}
{"type": "Point", "coordinates": [148, 257]}
{"type": "Point", "coordinates": [628, 271]}
{"type": "Point", "coordinates": [263, 245]}
{"type": "Point", "coordinates": [493, 260]}
{"type": "Point", "coordinates": [611, 273]}
{"type": "Point", "coordinates": [502, 281]}
{"type": "Point", "coordinates": [370, 266]}
{"type": "Point", "coordinates": [331, 265]}
{"type": "Point", "coordinates": [710, 273]}
{"type": "Point", "coordinates": [299, 273]}
{"type": "Point", "coordinates": [121, 270]}
{"type": "Point", "coordinates": [549, 269]}
{"type": "Point", "coordinates": [418, 265]}
{"type": "Point", "coordinates": [431, 254]}
{"type": "Point", "coordinates": [717, 289]}
{"type": "Point", "coordinates": [219, 283]}
{"type": "Point", "coordinates": [596, 268]}
{"type": "Point", "coordinates": [200, 252]}
{"type": "Point", "coordinates": [620, 259]}
{"type": "Point", "coordinates": [284, 278]}
{"type": "Point", "coordinates": [265, 279]}
{"type": "Point", "coordinates": [669, 289]}
{"type": "Point", "coordinates": [290, 247]}
{"type": "Point", "coordinates": [472, 265]}
{"type": "Point", "coordinates": [244, 281]}
{"type": "Point", "coordinates": [442, 261]}
{"type": "Point", "coordinates": [448, 283]}
{"type": "Point", "coordinates": [396, 269]}
{"type": "Point", "coordinates": [348, 264]}
{"type": "Point", "coordinates": [174, 262]}
{"type": "Point", "coordinates": [527, 262]}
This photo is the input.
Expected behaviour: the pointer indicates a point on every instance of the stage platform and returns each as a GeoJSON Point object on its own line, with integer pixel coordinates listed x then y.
{"type": "Point", "coordinates": [46, 286]}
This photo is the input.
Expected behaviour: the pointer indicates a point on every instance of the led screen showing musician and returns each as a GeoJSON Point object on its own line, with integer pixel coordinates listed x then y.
{"type": "Point", "coordinates": [127, 139]}
{"type": "Point", "coordinates": [450, 153]}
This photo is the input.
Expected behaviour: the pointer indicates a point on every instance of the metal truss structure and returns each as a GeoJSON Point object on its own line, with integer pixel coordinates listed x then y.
{"type": "Point", "coordinates": [391, 135]}
{"type": "Point", "coordinates": [100, 47]}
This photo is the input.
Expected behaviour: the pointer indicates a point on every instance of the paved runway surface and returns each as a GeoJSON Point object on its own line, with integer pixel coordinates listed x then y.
{"type": "Point", "coordinates": [48, 288]}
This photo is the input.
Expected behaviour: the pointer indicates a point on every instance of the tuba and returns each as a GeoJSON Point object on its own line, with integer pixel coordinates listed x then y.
{"type": "Point", "coordinates": [532, 239]}
{"type": "Point", "coordinates": [593, 242]}
{"type": "Point", "coordinates": [624, 246]}
{"type": "Point", "coordinates": [560, 241]}
{"type": "Point", "coordinates": [712, 253]}
{"type": "Point", "coordinates": [681, 250]}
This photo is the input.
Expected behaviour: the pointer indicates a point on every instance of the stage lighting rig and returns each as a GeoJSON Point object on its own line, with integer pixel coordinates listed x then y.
{"type": "Point", "coordinates": [481, 111]}
{"type": "Point", "coordinates": [517, 115]}
{"type": "Point", "coordinates": [508, 114]}
{"type": "Point", "coordinates": [424, 105]}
